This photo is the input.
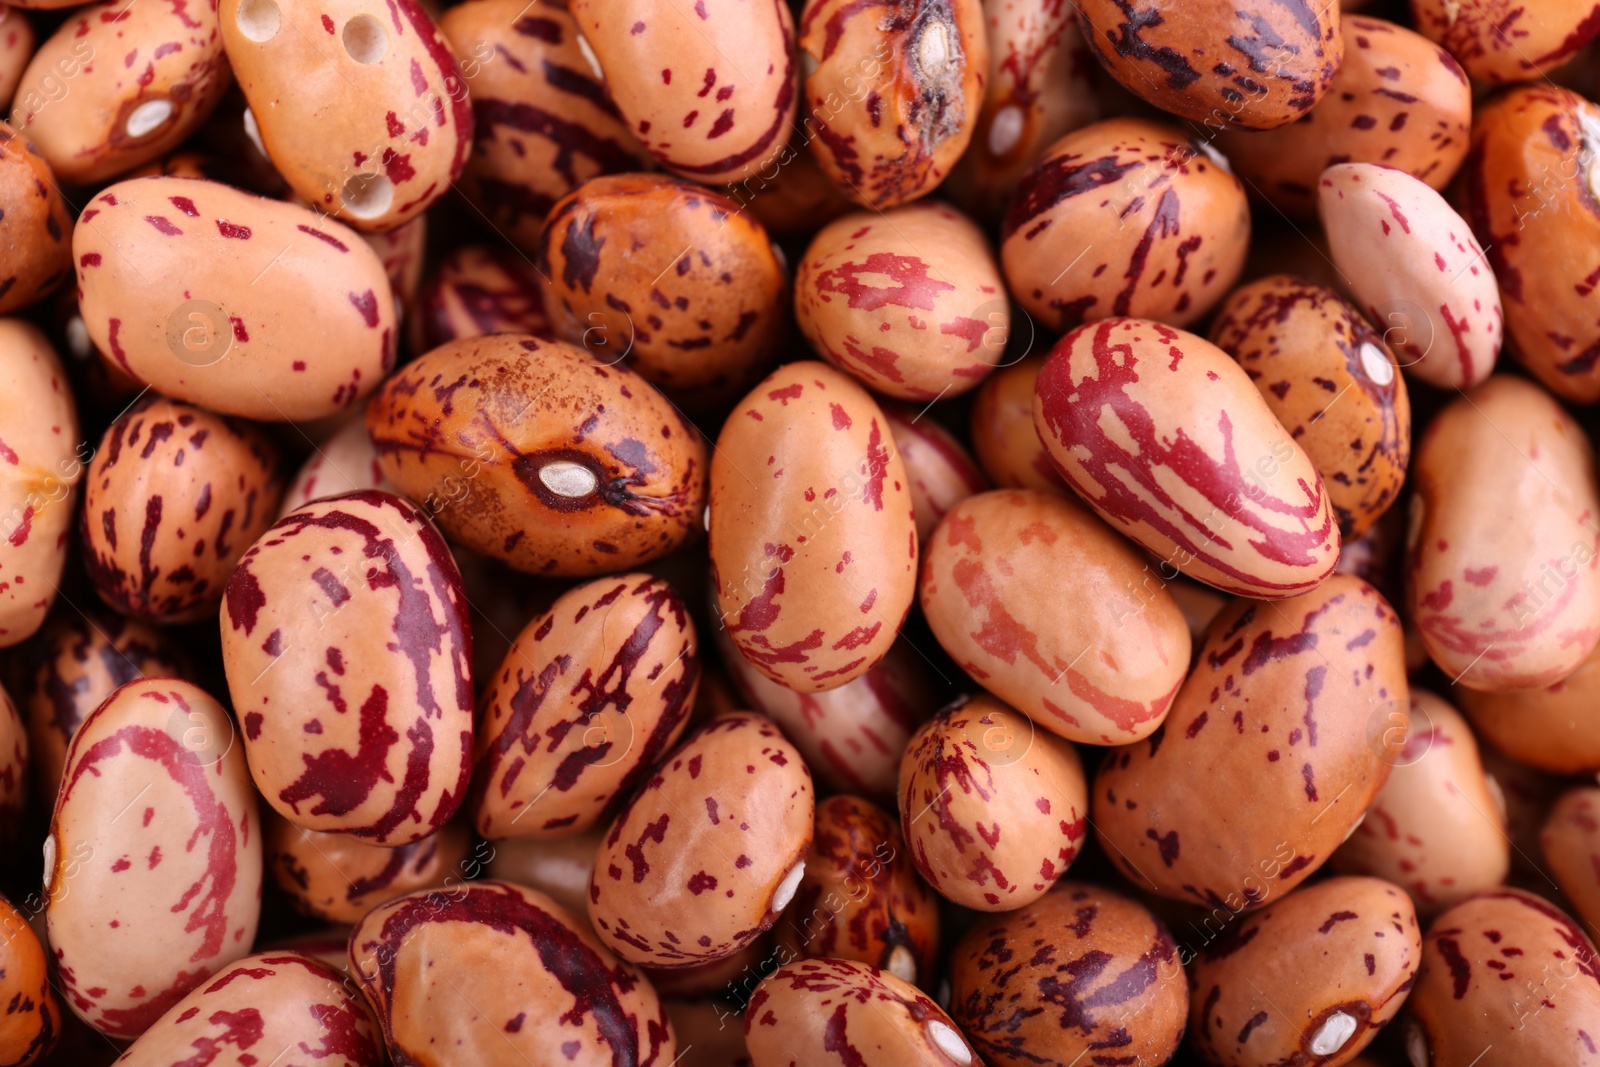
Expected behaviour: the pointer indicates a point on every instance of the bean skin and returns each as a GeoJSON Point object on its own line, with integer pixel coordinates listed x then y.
{"type": "Point", "coordinates": [1003, 437]}
{"type": "Point", "coordinates": [138, 912]}
{"type": "Point", "coordinates": [942, 472]}
{"type": "Point", "coordinates": [1285, 712]}
{"type": "Point", "coordinates": [591, 694]}
{"type": "Point", "coordinates": [709, 851]}
{"type": "Point", "coordinates": [555, 986]}
{"type": "Point", "coordinates": [1192, 465]}
{"type": "Point", "coordinates": [1548, 728]}
{"type": "Point", "coordinates": [365, 726]}
{"type": "Point", "coordinates": [37, 257]}
{"type": "Point", "coordinates": [1079, 970]}
{"type": "Point", "coordinates": [1497, 44]}
{"type": "Point", "coordinates": [339, 878]}
{"type": "Point", "coordinates": [476, 290]}
{"type": "Point", "coordinates": [32, 1026]}
{"type": "Point", "coordinates": [1569, 843]}
{"type": "Point", "coordinates": [344, 463]}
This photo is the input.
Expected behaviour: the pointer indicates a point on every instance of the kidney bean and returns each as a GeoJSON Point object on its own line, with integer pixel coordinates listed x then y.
{"type": "Point", "coordinates": [1040, 87]}
{"type": "Point", "coordinates": [860, 898]}
{"type": "Point", "coordinates": [1499, 41]}
{"type": "Point", "coordinates": [161, 72]}
{"type": "Point", "coordinates": [153, 864]}
{"type": "Point", "coordinates": [792, 197]}
{"type": "Point", "coordinates": [1308, 979]}
{"type": "Point", "coordinates": [1257, 65]}
{"type": "Point", "coordinates": [1398, 100]}
{"type": "Point", "coordinates": [1437, 827]}
{"type": "Point", "coordinates": [41, 461]}
{"type": "Point", "coordinates": [993, 809]}
{"type": "Point", "coordinates": [82, 657]}
{"type": "Point", "coordinates": [227, 346]}
{"type": "Point", "coordinates": [340, 99]}
{"type": "Point", "coordinates": [344, 463]}
{"type": "Point", "coordinates": [1412, 262]}
{"type": "Point", "coordinates": [366, 727]}
{"type": "Point", "coordinates": [941, 471]}
{"type": "Point", "coordinates": [339, 878]}
{"type": "Point", "coordinates": [1548, 728]}
{"type": "Point", "coordinates": [544, 121]}
{"type": "Point", "coordinates": [695, 868]}
{"type": "Point", "coordinates": [851, 736]}
{"type": "Point", "coordinates": [37, 256]}
{"type": "Point", "coordinates": [592, 693]}
{"type": "Point", "coordinates": [909, 301]}
{"type": "Point", "coordinates": [1569, 844]}
{"type": "Point", "coordinates": [1505, 605]}
{"type": "Point", "coordinates": [17, 44]}
{"type": "Point", "coordinates": [1332, 383]}
{"type": "Point", "coordinates": [1499, 962]}
{"type": "Point", "coordinates": [534, 453]}
{"type": "Point", "coordinates": [891, 104]}
{"type": "Point", "coordinates": [1285, 712]}
{"type": "Point", "coordinates": [1531, 196]}
{"type": "Point", "coordinates": [1104, 674]}
{"type": "Point", "coordinates": [272, 1000]}
{"type": "Point", "coordinates": [30, 1030]}
{"type": "Point", "coordinates": [701, 326]}
{"type": "Point", "coordinates": [1224, 494]}
{"type": "Point", "coordinates": [822, 526]}
{"type": "Point", "coordinates": [555, 986]}
{"type": "Point", "coordinates": [711, 99]}
{"type": "Point", "coordinates": [722, 977]}
{"type": "Point", "coordinates": [1124, 217]}
{"type": "Point", "coordinates": [1003, 437]}
{"type": "Point", "coordinates": [172, 499]}
{"type": "Point", "coordinates": [476, 290]}
{"type": "Point", "coordinates": [1079, 970]}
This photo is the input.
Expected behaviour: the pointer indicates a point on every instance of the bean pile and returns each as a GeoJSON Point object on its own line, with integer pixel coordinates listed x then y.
{"type": "Point", "coordinates": [799, 533]}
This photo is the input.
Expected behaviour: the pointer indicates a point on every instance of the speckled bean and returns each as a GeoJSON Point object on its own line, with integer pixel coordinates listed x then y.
{"type": "Point", "coordinates": [344, 463]}
{"type": "Point", "coordinates": [940, 470]}
{"type": "Point", "coordinates": [339, 878]}
{"type": "Point", "coordinates": [1549, 728]}
{"type": "Point", "coordinates": [475, 290]}
{"type": "Point", "coordinates": [1500, 41]}
{"type": "Point", "coordinates": [1570, 846]}
{"type": "Point", "coordinates": [1002, 431]}
{"type": "Point", "coordinates": [36, 256]}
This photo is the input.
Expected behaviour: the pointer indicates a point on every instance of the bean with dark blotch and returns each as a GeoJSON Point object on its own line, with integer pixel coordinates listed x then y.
{"type": "Point", "coordinates": [1003, 437]}
{"type": "Point", "coordinates": [1502, 41]}
{"type": "Point", "coordinates": [172, 499]}
{"type": "Point", "coordinates": [365, 115]}
{"type": "Point", "coordinates": [537, 454]}
{"type": "Point", "coordinates": [344, 463]}
{"type": "Point", "coordinates": [1255, 64]}
{"type": "Point", "coordinates": [590, 695]}
{"type": "Point", "coordinates": [1079, 970]}
{"type": "Point", "coordinates": [555, 986]}
{"type": "Point", "coordinates": [1168, 440]}
{"type": "Point", "coordinates": [709, 851]}
{"type": "Point", "coordinates": [1413, 264]}
{"type": "Point", "coordinates": [942, 473]}
{"type": "Point", "coordinates": [557, 867]}
{"type": "Point", "coordinates": [909, 301]}
{"type": "Point", "coordinates": [1570, 845]}
{"type": "Point", "coordinates": [153, 864]}
{"type": "Point", "coordinates": [475, 290]}
{"type": "Point", "coordinates": [17, 44]}
{"type": "Point", "coordinates": [41, 461]}
{"type": "Point", "coordinates": [1125, 217]}
{"type": "Point", "coordinates": [813, 540]}
{"type": "Point", "coordinates": [1398, 99]}
{"type": "Point", "coordinates": [861, 898]}
{"type": "Point", "coordinates": [36, 256]}
{"type": "Point", "coordinates": [1505, 605]}
{"type": "Point", "coordinates": [1505, 962]}
{"type": "Point", "coordinates": [270, 1001]}
{"type": "Point", "coordinates": [709, 90]}
{"type": "Point", "coordinates": [161, 72]}
{"type": "Point", "coordinates": [994, 809]}
{"type": "Point", "coordinates": [1286, 713]}
{"type": "Point", "coordinates": [82, 657]}
{"type": "Point", "coordinates": [544, 121]}
{"type": "Point", "coordinates": [983, 598]}
{"type": "Point", "coordinates": [30, 1029]}
{"type": "Point", "coordinates": [891, 103]}
{"type": "Point", "coordinates": [1437, 827]}
{"type": "Point", "coordinates": [365, 727]}
{"type": "Point", "coordinates": [1310, 979]}
{"type": "Point", "coordinates": [1040, 88]}
{"type": "Point", "coordinates": [700, 326]}
{"type": "Point", "coordinates": [340, 878]}
{"type": "Point", "coordinates": [1531, 193]}
{"type": "Point", "coordinates": [1550, 728]}
{"type": "Point", "coordinates": [791, 196]}
{"type": "Point", "coordinates": [1332, 383]}
{"type": "Point", "coordinates": [840, 1013]}
{"type": "Point", "coordinates": [228, 345]}
{"type": "Point", "coordinates": [851, 736]}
